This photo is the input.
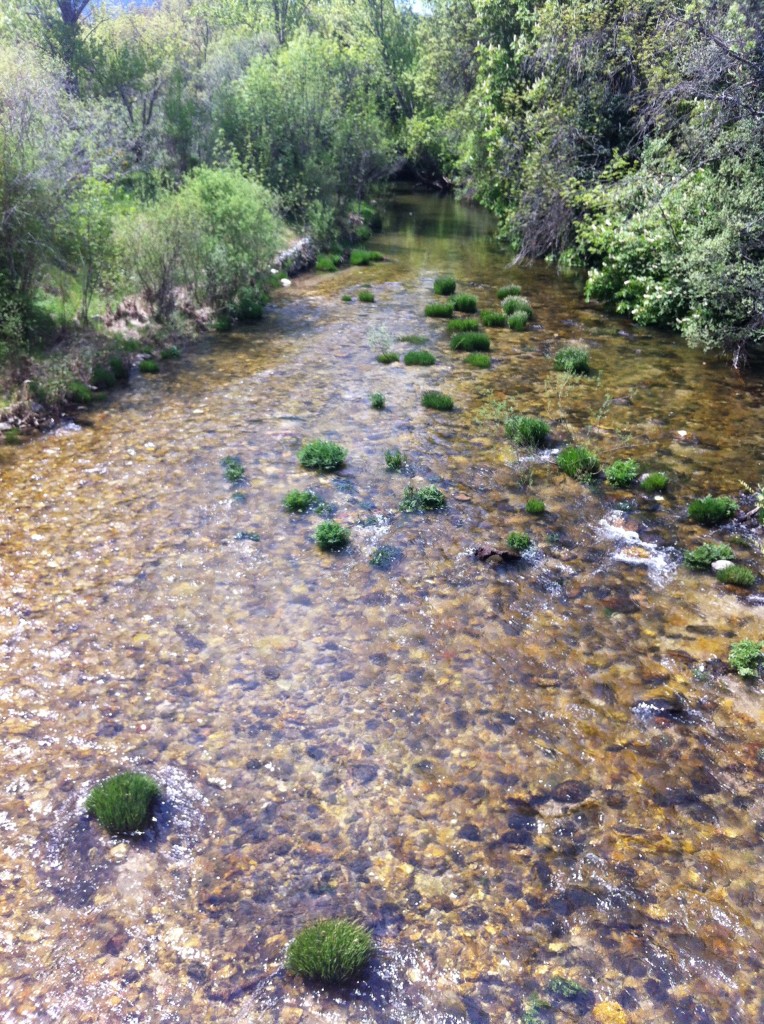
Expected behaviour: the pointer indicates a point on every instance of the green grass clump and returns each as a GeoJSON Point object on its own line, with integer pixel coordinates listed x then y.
{"type": "Point", "coordinates": [223, 322]}
{"type": "Point", "coordinates": [328, 262]}
{"type": "Point", "coordinates": [12, 436]}
{"type": "Point", "coordinates": [250, 303]}
{"type": "Point", "coordinates": [517, 304]}
{"type": "Point", "coordinates": [745, 658]}
{"type": "Point", "coordinates": [170, 352]}
{"type": "Point", "coordinates": [479, 360]}
{"type": "Point", "coordinates": [737, 575]}
{"type": "Point", "coordinates": [123, 803]}
{"type": "Point", "coordinates": [470, 341]}
{"type": "Point", "coordinates": [445, 285]}
{"type": "Point", "coordinates": [518, 321]}
{"type": "Point", "coordinates": [424, 499]}
{"type": "Point", "coordinates": [444, 310]}
{"type": "Point", "coordinates": [103, 378]}
{"type": "Point", "coordinates": [120, 367]}
{"type": "Point", "coordinates": [333, 951]}
{"type": "Point", "coordinates": [565, 988]}
{"type": "Point", "coordinates": [572, 359]}
{"type": "Point", "coordinates": [234, 471]}
{"type": "Point", "coordinates": [394, 460]}
{"type": "Point", "coordinates": [325, 456]}
{"type": "Point", "coordinates": [78, 392]}
{"type": "Point", "coordinates": [578, 462]}
{"type": "Point", "coordinates": [299, 501]}
{"type": "Point", "coordinates": [527, 431]}
{"type": "Point", "coordinates": [148, 366]}
{"type": "Point", "coordinates": [377, 400]}
{"type": "Point", "coordinates": [622, 473]}
{"type": "Point", "coordinates": [710, 511]}
{"type": "Point", "coordinates": [384, 556]}
{"type": "Point", "coordinates": [347, 298]}
{"type": "Point", "coordinates": [413, 339]}
{"type": "Point", "coordinates": [507, 290]}
{"type": "Point", "coordinates": [366, 295]}
{"type": "Point", "coordinates": [535, 506]}
{"type": "Point", "coordinates": [363, 257]}
{"type": "Point", "coordinates": [465, 323]}
{"type": "Point", "coordinates": [419, 357]}
{"type": "Point", "coordinates": [332, 536]}
{"type": "Point", "coordinates": [388, 357]}
{"type": "Point", "coordinates": [655, 483]}
{"type": "Point", "coordinates": [490, 318]}
{"type": "Point", "coordinates": [437, 400]}
{"type": "Point", "coordinates": [705, 555]}
{"type": "Point", "coordinates": [464, 303]}
{"type": "Point", "coordinates": [518, 542]}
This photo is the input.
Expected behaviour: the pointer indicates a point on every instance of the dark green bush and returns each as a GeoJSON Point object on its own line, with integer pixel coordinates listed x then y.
{"type": "Point", "coordinates": [249, 306]}
{"type": "Point", "coordinates": [328, 262]}
{"type": "Point", "coordinates": [622, 473]}
{"type": "Point", "coordinates": [425, 499]}
{"type": "Point", "coordinates": [518, 542]}
{"type": "Point", "coordinates": [332, 536]}
{"type": "Point", "coordinates": [366, 295]}
{"type": "Point", "coordinates": [507, 290]}
{"type": "Point", "coordinates": [437, 400]}
{"type": "Point", "coordinates": [535, 507]}
{"type": "Point", "coordinates": [362, 233]}
{"type": "Point", "coordinates": [737, 575]}
{"type": "Point", "coordinates": [332, 951]}
{"type": "Point", "coordinates": [148, 366]}
{"type": "Point", "coordinates": [710, 511]}
{"type": "Point", "coordinates": [322, 455]}
{"type": "Point", "coordinates": [527, 431]}
{"type": "Point", "coordinates": [464, 303]}
{"type": "Point", "coordinates": [655, 483]}
{"type": "Point", "coordinates": [103, 378]}
{"type": "Point", "coordinates": [120, 367]}
{"type": "Point", "coordinates": [223, 322]}
{"type": "Point", "coordinates": [12, 436]}
{"type": "Point", "coordinates": [479, 360]}
{"type": "Point", "coordinates": [299, 501]}
{"type": "Point", "coordinates": [234, 471]}
{"type": "Point", "coordinates": [78, 392]}
{"type": "Point", "coordinates": [394, 460]}
{"type": "Point", "coordinates": [170, 352]}
{"type": "Point", "coordinates": [388, 357]}
{"type": "Point", "coordinates": [363, 257]}
{"type": "Point", "coordinates": [419, 357]}
{"type": "Point", "coordinates": [377, 400]}
{"type": "Point", "coordinates": [745, 658]}
{"type": "Point", "coordinates": [470, 341]}
{"type": "Point", "coordinates": [490, 318]}
{"type": "Point", "coordinates": [465, 323]}
{"type": "Point", "coordinates": [578, 462]}
{"type": "Point", "coordinates": [445, 310]}
{"type": "Point", "coordinates": [703, 556]}
{"type": "Point", "coordinates": [445, 285]}
{"type": "Point", "coordinates": [123, 803]}
{"type": "Point", "coordinates": [572, 359]}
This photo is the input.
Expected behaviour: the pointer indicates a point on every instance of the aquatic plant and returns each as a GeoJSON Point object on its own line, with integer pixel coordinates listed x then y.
{"type": "Point", "coordinates": [423, 499]}
{"type": "Point", "coordinates": [705, 555]}
{"type": "Point", "coordinates": [250, 303]}
{"type": "Point", "coordinates": [710, 511]}
{"type": "Point", "coordinates": [394, 460]}
{"type": "Point", "coordinates": [12, 436]}
{"type": "Point", "coordinates": [247, 535]}
{"type": "Point", "coordinates": [377, 400]}
{"type": "Point", "coordinates": [465, 323]}
{"type": "Point", "coordinates": [103, 378]}
{"type": "Point", "coordinates": [445, 310]}
{"type": "Point", "coordinates": [148, 366]}
{"type": "Point", "coordinates": [490, 318]}
{"type": "Point", "coordinates": [120, 367]}
{"type": "Point", "coordinates": [78, 392]}
{"type": "Point", "coordinates": [123, 803]}
{"type": "Point", "coordinates": [518, 321]}
{"type": "Point", "coordinates": [437, 400]}
{"type": "Point", "coordinates": [578, 462]}
{"type": "Point", "coordinates": [347, 298]}
{"type": "Point", "coordinates": [445, 285]}
{"type": "Point", "coordinates": [388, 357]}
{"type": "Point", "coordinates": [234, 471]}
{"type": "Point", "coordinates": [363, 257]}
{"type": "Point", "coordinates": [517, 304]}
{"type": "Point", "coordinates": [479, 360]}
{"type": "Point", "coordinates": [223, 322]}
{"type": "Point", "coordinates": [170, 352]}
{"type": "Point", "coordinates": [324, 456]}
{"type": "Point", "coordinates": [565, 988]}
{"type": "Point", "coordinates": [518, 542]}
{"type": "Point", "coordinates": [745, 658]}
{"type": "Point", "coordinates": [507, 290]}
{"type": "Point", "coordinates": [464, 303]}
{"type": "Point", "coordinates": [333, 951]}
{"type": "Point", "coordinates": [572, 359]}
{"type": "Point", "coordinates": [366, 295]}
{"type": "Point", "coordinates": [299, 501]}
{"type": "Point", "coordinates": [737, 576]}
{"type": "Point", "coordinates": [328, 262]}
{"type": "Point", "coordinates": [419, 357]}
{"type": "Point", "coordinates": [470, 341]}
{"type": "Point", "coordinates": [413, 339]}
{"type": "Point", "coordinates": [383, 556]}
{"type": "Point", "coordinates": [622, 472]}
{"type": "Point", "coordinates": [654, 483]}
{"type": "Point", "coordinates": [527, 431]}
{"type": "Point", "coordinates": [332, 536]}
{"type": "Point", "coordinates": [535, 506]}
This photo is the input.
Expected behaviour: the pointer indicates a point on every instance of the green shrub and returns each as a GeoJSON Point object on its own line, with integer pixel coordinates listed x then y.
{"type": "Point", "coordinates": [249, 306]}
{"type": "Point", "coordinates": [413, 339]}
{"type": "Point", "coordinates": [518, 321]}
{"type": "Point", "coordinates": [148, 366]}
{"type": "Point", "coordinates": [710, 511]}
{"type": "Point", "coordinates": [324, 456]}
{"type": "Point", "coordinates": [12, 436]}
{"type": "Point", "coordinates": [622, 473]}
{"type": "Point", "coordinates": [362, 233]}
{"type": "Point", "coordinates": [444, 285]}
{"type": "Point", "coordinates": [394, 460]}
{"type": "Point", "coordinates": [470, 341]}
{"type": "Point", "coordinates": [518, 542]}
{"type": "Point", "coordinates": [223, 322]}
{"type": "Point", "coordinates": [479, 360]}
{"type": "Point", "coordinates": [377, 400]}
{"type": "Point", "coordinates": [655, 483]}
{"type": "Point", "coordinates": [366, 295]}
{"type": "Point", "coordinates": [363, 257]}
{"type": "Point", "coordinates": [572, 359]}
{"type": "Point", "coordinates": [745, 658]}
{"type": "Point", "coordinates": [78, 392]}
{"type": "Point", "coordinates": [737, 575]}
{"type": "Point", "coordinates": [517, 304]}
{"type": "Point", "coordinates": [328, 262]}
{"type": "Point", "coordinates": [507, 290]}
{"type": "Point", "coordinates": [703, 556]}
{"type": "Point", "coordinates": [234, 471]}
{"type": "Point", "coordinates": [347, 298]}
{"type": "Point", "coordinates": [120, 367]}
{"type": "Point", "coordinates": [103, 378]}
{"type": "Point", "coordinates": [170, 352]}
{"type": "Point", "coordinates": [535, 507]}
{"type": "Point", "coordinates": [444, 310]}
{"type": "Point", "coordinates": [464, 303]}
{"type": "Point", "coordinates": [299, 501]}
{"type": "Point", "coordinates": [333, 951]}
{"type": "Point", "coordinates": [527, 431]}
{"type": "Point", "coordinates": [123, 803]}
{"type": "Point", "coordinates": [490, 318]}
{"type": "Point", "coordinates": [388, 357]}
{"type": "Point", "coordinates": [578, 462]}
{"type": "Point", "coordinates": [437, 400]}
{"type": "Point", "coordinates": [332, 536]}
{"type": "Point", "coordinates": [419, 357]}
{"type": "Point", "coordinates": [424, 499]}
{"type": "Point", "coordinates": [465, 323]}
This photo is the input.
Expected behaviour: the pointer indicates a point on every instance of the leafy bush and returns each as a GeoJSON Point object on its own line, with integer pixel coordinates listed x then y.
{"type": "Point", "coordinates": [518, 542]}
{"type": "Point", "coordinates": [444, 285]}
{"type": "Point", "coordinates": [234, 471]}
{"type": "Point", "coordinates": [249, 305]}
{"type": "Point", "coordinates": [332, 536]}
{"type": "Point", "coordinates": [366, 295]}
{"type": "Point", "coordinates": [394, 460]}
{"type": "Point", "coordinates": [745, 658]}
{"type": "Point", "coordinates": [328, 262]}
{"type": "Point", "coordinates": [479, 360]}
{"type": "Point", "coordinates": [437, 400]}
{"type": "Point", "coordinates": [507, 290]}
{"type": "Point", "coordinates": [578, 462]}
{"type": "Point", "coordinates": [388, 357]}
{"type": "Point", "coordinates": [572, 359]}
{"type": "Point", "coordinates": [737, 575]}
{"type": "Point", "coordinates": [465, 323]}
{"type": "Point", "coordinates": [425, 499]}
{"type": "Point", "coordinates": [464, 303]}
{"type": "Point", "coordinates": [120, 367]}
{"type": "Point", "coordinates": [470, 341]}
{"type": "Point", "coordinates": [148, 366]}
{"type": "Point", "coordinates": [333, 951]}
{"type": "Point", "coordinates": [363, 257]}
{"type": "Point", "coordinates": [704, 555]}
{"type": "Point", "coordinates": [654, 483]}
{"type": "Point", "coordinates": [444, 310]}
{"type": "Point", "coordinates": [299, 501]}
{"type": "Point", "coordinates": [622, 472]}
{"type": "Point", "coordinates": [535, 506]}
{"type": "Point", "coordinates": [518, 321]}
{"type": "Point", "coordinates": [123, 803]}
{"type": "Point", "coordinates": [103, 378]}
{"type": "Point", "coordinates": [527, 431]}
{"type": "Point", "coordinates": [377, 400]}
{"type": "Point", "coordinates": [419, 357]}
{"type": "Point", "coordinates": [710, 511]}
{"type": "Point", "coordinates": [490, 318]}
{"type": "Point", "coordinates": [324, 456]}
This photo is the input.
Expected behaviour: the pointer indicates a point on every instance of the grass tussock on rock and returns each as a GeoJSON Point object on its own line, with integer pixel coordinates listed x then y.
{"type": "Point", "coordinates": [437, 400]}
{"type": "Point", "coordinates": [444, 285]}
{"type": "Point", "coordinates": [123, 803]}
{"type": "Point", "coordinates": [325, 456]}
{"type": "Point", "coordinates": [333, 951]}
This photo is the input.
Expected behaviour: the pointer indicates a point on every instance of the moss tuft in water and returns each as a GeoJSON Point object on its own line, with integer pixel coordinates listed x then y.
{"type": "Point", "coordinates": [332, 536]}
{"type": "Point", "coordinates": [527, 431]}
{"type": "Point", "coordinates": [578, 462]}
{"type": "Point", "coordinates": [388, 357]}
{"type": "Point", "coordinates": [299, 501]}
{"type": "Point", "coordinates": [470, 341]}
{"type": "Point", "coordinates": [437, 400]}
{"type": "Point", "coordinates": [377, 400]}
{"type": "Point", "coordinates": [464, 303]}
{"type": "Point", "coordinates": [363, 257]}
{"type": "Point", "coordinates": [507, 290]}
{"type": "Point", "coordinates": [655, 483]}
{"type": "Point", "coordinates": [324, 456]}
{"type": "Point", "coordinates": [736, 576]}
{"type": "Point", "coordinates": [413, 339]}
{"type": "Point", "coordinates": [710, 511]}
{"type": "Point", "coordinates": [334, 951]}
{"type": "Point", "coordinates": [445, 285]}
{"type": "Point", "coordinates": [745, 658]}
{"type": "Point", "coordinates": [328, 262]}
{"type": "Point", "coordinates": [464, 323]}
{"type": "Point", "coordinates": [77, 391]}
{"type": "Point", "coordinates": [490, 318]}
{"type": "Point", "coordinates": [394, 460]}
{"type": "Point", "coordinates": [12, 436]}
{"type": "Point", "coordinates": [148, 366]}
{"type": "Point", "coordinates": [535, 507]}
{"type": "Point", "coordinates": [347, 298]}
{"type": "Point", "coordinates": [622, 472]}
{"type": "Point", "coordinates": [518, 321]}
{"type": "Point", "coordinates": [518, 542]}
{"type": "Point", "coordinates": [705, 555]}
{"type": "Point", "coordinates": [479, 360]}
{"type": "Point", "coordinates": [234, 471]}
{"type": "Point", "coordinates": [170, 352]}
{"type": "Point", "coordinates": [123, 803]}
{"type": "Point", "coordinates": [565, 988]}
{"type": "Point", "coordinates": [419, 357]}
{"type": "Point", "coordinates": [424, 499]}
{"type": "Point", "coordinates": [366, 295]}
{"type": "Point", "coordinates": [572, 359]}
{"type": "Point", "coordinates": [383, 557]}
{"type": "Point", "coordinates": [444, 310]}
{"type": "Point", "coordinates": [517, 304]}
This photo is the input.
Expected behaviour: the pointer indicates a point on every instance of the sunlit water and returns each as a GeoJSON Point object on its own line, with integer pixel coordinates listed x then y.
{"type": "Point", "coordinates": [446, 749]}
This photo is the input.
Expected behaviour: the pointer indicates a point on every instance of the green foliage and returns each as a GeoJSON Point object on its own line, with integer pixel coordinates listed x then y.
{"type": "Point", "coordinates": [249, 304]}
{"type": "Point", "coordinates": [572, 359]}
{"type": "Point", "coordinates": [366, 295]}
{"type": "Point", "coordinates": [622, 472]}
{"type": "Point", "coordinates": [444, 285]}
{"type": "Point", "coordinates": [444, 310]}
{"type": "Point", "coordinates": [299, 501]}
{"type": "Point", "coordinates": [745, 658]}
{"type": "Point", "coordinates": [148, 366]}
{"type": "Point", "coordinates": [470, 341]}
{"type": "Point", "coordinates": [464, 303]}
{"type": "Point", "coordinates": [737, 575]}
{"type": "Point", "coordinates": [419, 357]}
{"type": "Point", "coordinates": [334, 951]}
{"type": "Point", "coordinates": [120, 367]}
{"type": "Point", "coordinates": [388, 357]}
{"type": "Point", "coordinates": [711, 511]}
{"type": "Point", "coordinates": [122, 804]}
{"type": "Point", "coordinates": [518, 542]}
{"type": "Point", "coordinates": [102, 378]}
{"type": "Point", "coordinates": [518, 321]}
{"type": "Point", "coordinates": [527, 431]}
{"type": "Point", "coordinates": [479, 360]}
{"type": "Point", "coordinates": [394, 460]}
{"type": "Point", "coordinates": [413, 339]}
{"type": "Point", "coordinates": [704, 555]}
{"type": "Point", "coordinates": [384, 556]}
{"type": "Point", "coordinates": [516, 304]}
{"type": "Point", "coordinates": [377, 400]}
{"type": "Point", "coordinates": [535, 507]}
{"type": "Point", "coordinates": [424, 499]}
{"type": "Point", "coordinates": [332, 536]}
{"type": "Point", "coordinates": [363, 257]}
{"type": "Point", "coordinates": [437, 400]}
{"type": "Point", "coordinates": [12, 436]}
{"type": "Point", "coordinates": [465, 323]}
{"type": "Point", "coordinates": [347, 298]}
{"type": "Point", "coordinates": [328, 262]}
{"type": "Point", "coordinates": [78, 392]}
{"type": "Point", "coordinates": [507, 290]}
{"type": "Point", "coordinates": [324, 456]}
{"type": "Point", "coordinates": [170, 352]}
{"type": "Point", "coordinates": [565, 987]}
{"type": "Point", "coordinates": [578, 462]}
{"type": "Point", "coordinates": [654, 483]}
{"type": "Point", "coordinates": [490, 318]}
{"type": "Point", "coordinates": [234, 470]}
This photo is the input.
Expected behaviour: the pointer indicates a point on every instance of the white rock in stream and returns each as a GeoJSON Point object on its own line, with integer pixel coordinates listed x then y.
{"type": "Point", "coordinates": [721, 563]}
{"type": "Point", "coordinates": [629, 548]}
